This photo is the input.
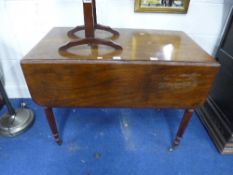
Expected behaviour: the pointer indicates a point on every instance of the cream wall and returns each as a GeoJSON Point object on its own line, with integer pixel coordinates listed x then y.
{"type": "Point", "coordinates": [24, 22]}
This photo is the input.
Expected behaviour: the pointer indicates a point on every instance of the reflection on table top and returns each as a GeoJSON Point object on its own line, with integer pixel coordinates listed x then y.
{"type": "Point", "coordinates": [138, 45]}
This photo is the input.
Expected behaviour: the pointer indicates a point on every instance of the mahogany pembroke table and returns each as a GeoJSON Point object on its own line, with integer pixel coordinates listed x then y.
{"type": "Point", "coordinates": [155, 69]}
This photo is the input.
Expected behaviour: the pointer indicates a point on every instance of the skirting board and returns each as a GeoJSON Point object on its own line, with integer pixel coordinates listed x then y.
{"type": "Point", "coordinates": [217, 126]}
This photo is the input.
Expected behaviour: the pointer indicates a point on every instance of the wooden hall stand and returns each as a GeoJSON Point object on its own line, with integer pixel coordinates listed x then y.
{"type": "Point", "coordinates": [155, 69]}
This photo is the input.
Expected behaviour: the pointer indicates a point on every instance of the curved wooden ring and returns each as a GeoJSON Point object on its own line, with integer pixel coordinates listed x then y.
{"type": "Point", "coordinates": [115, 34]}
{"type": "Point", "coordinates": [63, 50]}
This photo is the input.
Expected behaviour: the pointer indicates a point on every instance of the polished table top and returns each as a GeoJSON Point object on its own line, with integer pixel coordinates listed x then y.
{"type": "Point", "coordinates": [155, 69]}
{"type": "Point", "coordinates": [138, 45]}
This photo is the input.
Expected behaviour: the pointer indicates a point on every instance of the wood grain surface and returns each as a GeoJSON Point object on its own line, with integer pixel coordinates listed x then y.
{"type": "Point", "coordinates": [144, 45]}
{"type": "Point", "coordinates": [155, 69]}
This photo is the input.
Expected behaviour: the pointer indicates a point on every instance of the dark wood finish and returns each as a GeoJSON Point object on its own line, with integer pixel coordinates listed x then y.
{"type": "Point", "coordinates": [218, 125]}
{"type": "Point", "coordinates": [155, 69]}
{"type": "Point", "coordinates": [115, 84]}
{"type": "Point", "coordinates": [52, 124]}
{"type": "Point", "coordinates": [217, 112]}
{"type": "Point", "coordinates": [173, 47]}
{"type": "Point", "coordinates": [90, 20]}
{"type": "Point", "coordinates": [63, 50]}
{"type": "Point", "coordinates": [183, 125]}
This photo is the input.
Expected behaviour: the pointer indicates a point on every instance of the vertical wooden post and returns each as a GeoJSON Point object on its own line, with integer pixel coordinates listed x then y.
{"type": "Point", "coordinates": [88, 18]}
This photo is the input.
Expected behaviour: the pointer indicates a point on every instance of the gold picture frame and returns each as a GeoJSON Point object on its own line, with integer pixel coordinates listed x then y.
{"type": "Point", "coordinates": [162, 6]}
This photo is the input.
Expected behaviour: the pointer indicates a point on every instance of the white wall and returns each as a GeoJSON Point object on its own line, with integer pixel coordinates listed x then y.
{"type": "Point", "coordinates": [24, 22]}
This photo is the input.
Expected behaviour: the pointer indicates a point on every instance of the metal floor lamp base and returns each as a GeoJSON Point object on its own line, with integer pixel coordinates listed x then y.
{"type": "Point", "coordinates": [16, 124]}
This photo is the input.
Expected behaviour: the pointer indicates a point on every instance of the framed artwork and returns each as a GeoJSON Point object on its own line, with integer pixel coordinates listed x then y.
{"type": "Point", "coordinates": [162, 6]}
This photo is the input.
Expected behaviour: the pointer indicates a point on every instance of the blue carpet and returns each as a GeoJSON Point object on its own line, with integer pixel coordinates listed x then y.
{"type": "Point", "coordinates": [111, 142]}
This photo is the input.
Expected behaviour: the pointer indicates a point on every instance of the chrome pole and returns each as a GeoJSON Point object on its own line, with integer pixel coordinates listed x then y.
{"type": "Point", "coordinates": [11, 110]}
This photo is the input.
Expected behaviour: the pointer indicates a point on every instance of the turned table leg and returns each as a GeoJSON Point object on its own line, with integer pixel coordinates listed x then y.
{"type": "Point", "coordinates": [52, 123]}
{"type": "Point", "coordinates": [183, 124]}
